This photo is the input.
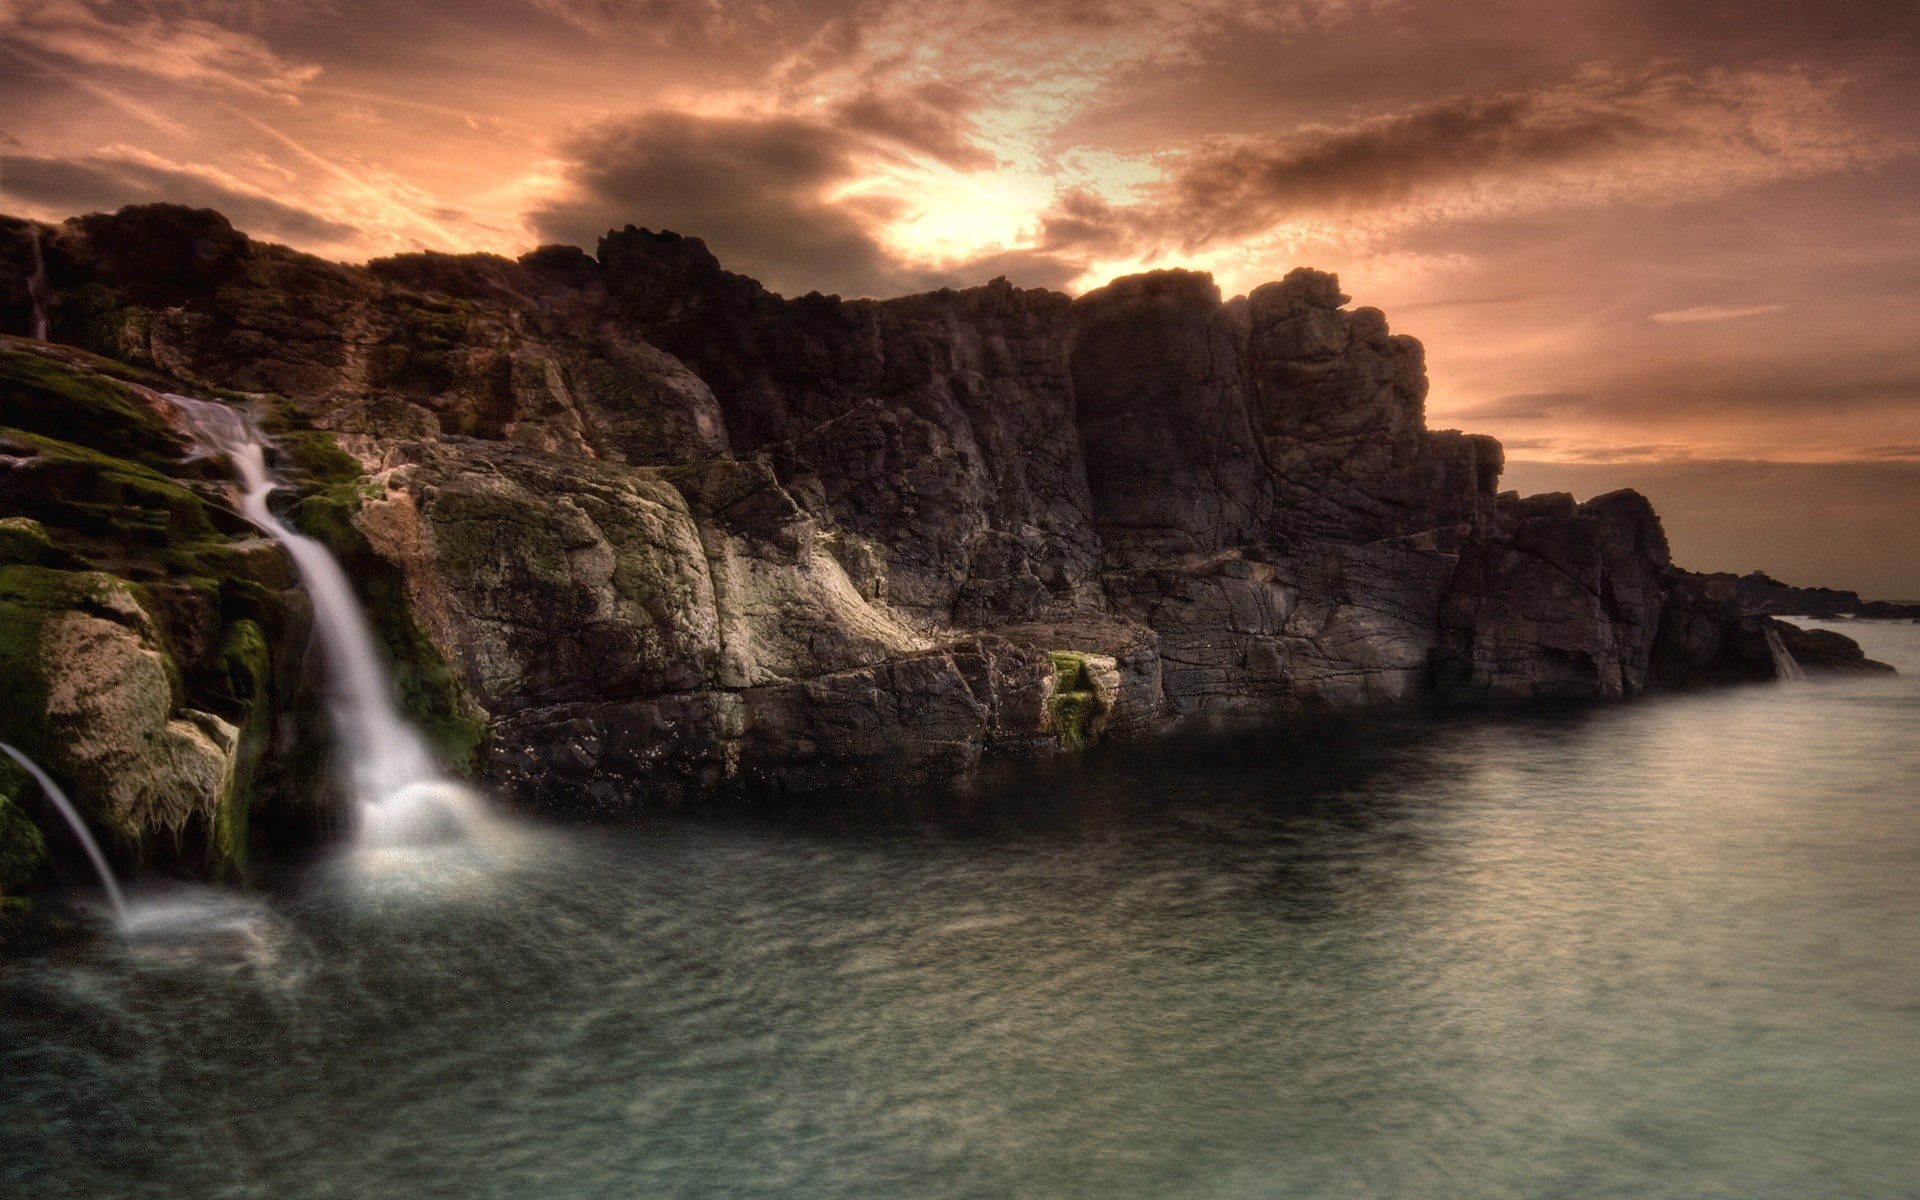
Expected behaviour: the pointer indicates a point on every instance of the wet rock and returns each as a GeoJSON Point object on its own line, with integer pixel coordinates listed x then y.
{"type": "Point", "coordinates": [652, 530]}
{"type": "Point", "coordinates": [95, 698]}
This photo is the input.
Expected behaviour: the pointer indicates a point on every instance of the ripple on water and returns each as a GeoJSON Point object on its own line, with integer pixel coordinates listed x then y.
{"type": "Point", "coordinates": [1659, 948]}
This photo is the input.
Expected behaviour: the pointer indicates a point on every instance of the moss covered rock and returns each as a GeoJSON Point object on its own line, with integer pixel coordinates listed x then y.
{"type": "Point", "coordinates": [100, 703]}
{"type": "Point", "coordinates": [143, 622]}
{"type": "Point", "coordinates": [1076, 710]}
{"type": "Point", "coordinates": [24, 540]}
{"type": "Point", "coordinates": [23, 851]}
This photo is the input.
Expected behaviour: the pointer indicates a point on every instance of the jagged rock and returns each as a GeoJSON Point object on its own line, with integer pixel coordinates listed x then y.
{"type": "Point", "coordinates": [1564, 600]}
{"type": "Point", "coordinates": [1825, 652]}
{"type": "Point", "coordinates": [104, 702]}
{"type": "Point", "coordinates": [671, 532]}
{"type": "Point", "coordinates": [1759, 593]}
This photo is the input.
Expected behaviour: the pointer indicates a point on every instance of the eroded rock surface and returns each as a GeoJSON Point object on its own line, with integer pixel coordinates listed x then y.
{"type": "Point", "coordinates": [669, 531]}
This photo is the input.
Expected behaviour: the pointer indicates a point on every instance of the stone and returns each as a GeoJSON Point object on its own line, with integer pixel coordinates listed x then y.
{"type": "Point", "coordinates": [652, 530]}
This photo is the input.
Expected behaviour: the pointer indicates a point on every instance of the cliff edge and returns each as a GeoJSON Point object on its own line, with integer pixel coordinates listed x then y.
{"type": "Point", "coordinates": [644, 528]}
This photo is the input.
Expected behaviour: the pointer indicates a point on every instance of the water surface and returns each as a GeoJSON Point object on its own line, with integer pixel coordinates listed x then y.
{"type": "Point", "coordinates": [1666, 948]}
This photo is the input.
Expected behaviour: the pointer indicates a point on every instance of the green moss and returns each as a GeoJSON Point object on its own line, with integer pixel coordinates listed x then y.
{"type": "Point", "coordinates": [246, 661]}
{"type": "Point", "coordinates": [227, 841]}
{"type": "Point", "coordinates": [1073, 708]}
{"type": "Point", "coordinates": [93, 493]}
{"type": "Point", "coordinates": [428, 688]}
{"type": "Point", "coordinates": [29, 596]}
{"type": "Point", "coordinates": [88, 315]}
{"type": "Point", "coordinates": [419, 353]}
{"type": "Point", "coordinates": [45, 396]}
{"type": "Point", "coordinates": [243, 669]}
{"type": "Point", "coordinates": [23, 850]}
{"type": "Point", "coordinates": [24, 540]}
{"type": "Point", "coordinates": [1069, 671]}
{"type": "Point", "coordinates": [312, 452]}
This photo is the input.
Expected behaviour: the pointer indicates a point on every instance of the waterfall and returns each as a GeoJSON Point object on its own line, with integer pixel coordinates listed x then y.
{"type": "Point", "coordinates": [60, 801]}
{"type": "Point", "coordinates": [37, 287]}
{"type": "Point", "coordinates": [399, 793]}
{"type": "Point", "coordinates": [1785, 669]}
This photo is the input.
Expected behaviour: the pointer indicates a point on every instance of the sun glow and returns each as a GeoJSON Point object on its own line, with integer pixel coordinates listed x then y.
{"type": "Point", "coordinates": [954, 216]}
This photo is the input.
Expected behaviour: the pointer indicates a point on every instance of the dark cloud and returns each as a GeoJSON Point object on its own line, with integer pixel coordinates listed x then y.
{"type": "Point", "coordinates": [1248, 189]}
{"type": "Point", "coordinates": [1592, 138]}
{"type": "Point", "coordinates": [761, 195]}
{"type": "Point", "coordinates": [756, 191]}
{"type": "Point", "coordinates": [930, 118]}
{"type": "Point", "coordinates": [1082, 223]}
{"type": "Point", "coordinates": [103, 183]}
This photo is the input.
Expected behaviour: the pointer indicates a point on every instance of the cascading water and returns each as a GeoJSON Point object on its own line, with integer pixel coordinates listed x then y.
{"type": "Point", "coordinates": [37, 287]}
{"type": "Point", "coordinates": [1785, 668]}
{"type": "Point", "coordinates": [60, 801]}
{"type": "Point", "coordinates": [399, 792]}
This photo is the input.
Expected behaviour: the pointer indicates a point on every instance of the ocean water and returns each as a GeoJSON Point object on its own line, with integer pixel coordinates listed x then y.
{"type": "Point", "coordinates": [1665, 948]}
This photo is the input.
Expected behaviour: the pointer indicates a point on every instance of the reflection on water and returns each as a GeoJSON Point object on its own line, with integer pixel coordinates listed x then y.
{"type": "Point", "coordinates": [1665, 948]}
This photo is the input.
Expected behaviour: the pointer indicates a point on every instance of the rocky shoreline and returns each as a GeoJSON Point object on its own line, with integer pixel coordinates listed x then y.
{"type": "Point", "coordinates": [635, 528]}
{"type": "Point", "coordinates": [1759, 594]}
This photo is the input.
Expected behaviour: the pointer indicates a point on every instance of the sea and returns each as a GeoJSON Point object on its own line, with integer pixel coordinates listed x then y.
{"type": "Point", "coordinates": [1667, 947]}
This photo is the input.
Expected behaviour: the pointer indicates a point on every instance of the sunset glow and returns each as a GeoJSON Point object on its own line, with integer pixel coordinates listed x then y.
{"type": "Point", "coordinates": [1623, 234]}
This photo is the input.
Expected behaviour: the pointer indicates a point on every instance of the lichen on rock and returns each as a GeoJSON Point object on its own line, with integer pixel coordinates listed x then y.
{"type": "Point", "coordinates": [632, 527]}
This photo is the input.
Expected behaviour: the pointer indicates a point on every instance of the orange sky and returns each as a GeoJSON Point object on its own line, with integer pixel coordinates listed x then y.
{"type": "Point", "coordinates": [1629, 231]}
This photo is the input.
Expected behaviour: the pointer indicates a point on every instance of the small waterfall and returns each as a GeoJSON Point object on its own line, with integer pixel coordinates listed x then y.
{"type": "Point", "coordinates": [37, 287]}
{"type": "Point", "coordinates": [1785, 669]}
{"type": "Point", "coordinates": [399, 792]}
{"type": "Point", "coordinates": [72, 815]}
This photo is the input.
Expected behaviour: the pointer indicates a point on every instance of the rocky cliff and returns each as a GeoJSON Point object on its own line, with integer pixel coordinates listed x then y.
{"type": "Point", "coordinates": [635, 526]}
{"type": "Point", "coordinates": [1757, 593]}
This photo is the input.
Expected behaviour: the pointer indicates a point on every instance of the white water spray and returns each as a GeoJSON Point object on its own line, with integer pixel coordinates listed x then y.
{"type": "Point", "coordinates": [400, 795]}
{"type": "Point", "coordinates": [1785, 668]}
{"type": "Point", "coordinates": [60, 801]}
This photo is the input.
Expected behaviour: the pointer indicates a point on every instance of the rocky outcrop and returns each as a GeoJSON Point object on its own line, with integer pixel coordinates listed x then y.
{"type": "Point", "coordinates": [151, 645]}
{"type": "Point", "coordinates": [1757, 593]}
{"type": "Point", "coordinates": [1704, 639]}
{"type": "Point", "coordinates": [649, 529]}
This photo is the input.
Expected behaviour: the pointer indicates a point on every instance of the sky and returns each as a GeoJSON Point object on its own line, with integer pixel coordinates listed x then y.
{"type": "Point", "coordinates": [1659, 242]}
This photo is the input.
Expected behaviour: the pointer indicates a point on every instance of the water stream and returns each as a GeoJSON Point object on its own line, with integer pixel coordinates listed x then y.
{"type": "Point", "coordinates": [37, 287]}
{"type": "Point", "coordinates": [72, 815]}
{"type": "Point", "coordinates": [1785, 667]}
{"type": "Point", "coordinates": [400, 794]}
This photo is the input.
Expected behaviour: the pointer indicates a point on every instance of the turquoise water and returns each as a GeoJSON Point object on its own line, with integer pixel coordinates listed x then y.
{"type": "Point", "coordinates": [1667, 948]}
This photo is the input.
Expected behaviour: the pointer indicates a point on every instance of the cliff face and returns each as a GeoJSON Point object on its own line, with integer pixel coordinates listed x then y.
{"type": "Point", "coordinates": [669, 530]}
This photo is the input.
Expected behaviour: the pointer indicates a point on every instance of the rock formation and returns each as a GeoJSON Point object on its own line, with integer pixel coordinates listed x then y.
{"type": "Point", "coordinates": [636, 527]}
{"type": "Point", "coordinates": [1759, 594]}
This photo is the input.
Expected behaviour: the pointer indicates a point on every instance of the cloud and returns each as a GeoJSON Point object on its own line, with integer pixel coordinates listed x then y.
{"type": "Point", "coordinates": [1713, 312]}
{"type": "Point", "coordinates": [758, 192]}
{"type": "Point", "coordinates": [171, 41]}
{"type": "Point", "coordinates": [97, 183]}
{"type": "Point", "coordinates": [767, 195]}
{"type": "Point", "coordinates": [929, 119]}
{"type": "Point", "coordinates": [1602, 137]}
